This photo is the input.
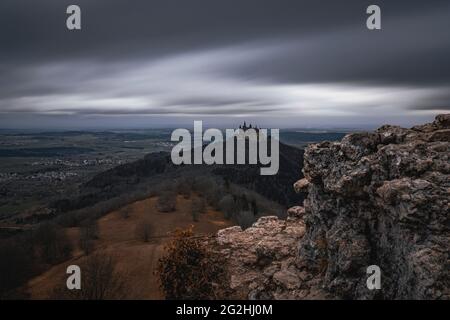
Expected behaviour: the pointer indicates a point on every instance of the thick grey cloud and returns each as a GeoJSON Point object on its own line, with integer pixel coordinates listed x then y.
{"type": "Point", "coordinates": [289, 63]}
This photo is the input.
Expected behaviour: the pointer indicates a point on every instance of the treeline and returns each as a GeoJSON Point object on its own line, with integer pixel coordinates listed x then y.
{"type": "Point", "coordinates": [156, 168]}
{"type": "Point", "coordinates": [153, 170]}
{"type": "Point", "coordinates": [28, 254]}
{"type": "Point", "coordinates": [238, 204]}
{"type": "Point", "coordinates": [32, 252]}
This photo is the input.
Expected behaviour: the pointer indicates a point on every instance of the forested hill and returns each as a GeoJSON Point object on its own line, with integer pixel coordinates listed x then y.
{"type": "Point", "coordinates": [157, 167]}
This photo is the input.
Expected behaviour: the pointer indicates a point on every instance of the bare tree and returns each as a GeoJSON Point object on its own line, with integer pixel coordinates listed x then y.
{"type": "Point", "coordinates": [99, 281]}
{"type": "Point", "coordinates": [144, 231]}
{"type": "Point", "coordinates": [86, 244]}
{"type": "Point", "coordinates": [198, 206]}
{"type": "Point", "coordinates": [245, 219]}
{"type": "Point", "coordinates": [213, 195]}
{"type": "Point", "coordinates": [88, 235]}
{"type": "Point", "coordinates": [125, 212]}
{"type": "Point", "coordinates": [228, 206]}
{"type": "Point", "coordinates": [184, 188]}
{"type": "Point", "coordinates": [167, 201]}
{"type": "Point", "coordinates": [90, 228]}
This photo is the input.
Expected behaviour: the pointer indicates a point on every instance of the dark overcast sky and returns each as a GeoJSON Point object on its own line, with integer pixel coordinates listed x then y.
{"type": "Point", "coordinates": [281, 63]}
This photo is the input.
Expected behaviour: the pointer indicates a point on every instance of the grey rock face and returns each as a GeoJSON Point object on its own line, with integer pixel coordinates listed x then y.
{"type": "Point", "coordinates": [380, 198]}
{"type": "Point", "coordinates": [261, 260]}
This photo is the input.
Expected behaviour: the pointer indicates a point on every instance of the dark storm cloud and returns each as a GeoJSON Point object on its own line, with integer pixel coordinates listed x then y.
{"type": "Point", "coordinates": [432, 107]}
{"type": "Point", "coordinates": [411, 50]}
{"type": "Point", "coordinates": [288, 58]}
{"type": "Point", "coordinates": [439, 101]}
{"type": "Point", "coordinates": [115, 28]}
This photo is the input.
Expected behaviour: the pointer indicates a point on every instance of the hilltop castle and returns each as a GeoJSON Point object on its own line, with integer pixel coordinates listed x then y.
{"type": "Point", "coordinates": [245, 128]}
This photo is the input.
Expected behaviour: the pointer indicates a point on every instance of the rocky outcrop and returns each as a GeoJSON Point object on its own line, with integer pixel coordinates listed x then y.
{"type": "Point", "coordinates": [379, 198]}
{"type": "Point", "coordinates": [262, 259]}
{"type": "Point", "coordinates": [382, 199]}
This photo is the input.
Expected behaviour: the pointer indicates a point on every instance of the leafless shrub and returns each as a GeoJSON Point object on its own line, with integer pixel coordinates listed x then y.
{"type": "Point", "coordinates": [190, 271]}
{"type": "Point", "coordinates": [99, 281]}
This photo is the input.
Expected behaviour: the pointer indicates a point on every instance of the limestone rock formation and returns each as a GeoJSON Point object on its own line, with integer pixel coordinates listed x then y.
{"type": "Point", "coordinates": [262, 259]}
{"type": "Point", "coordinates": [382, 199]}
{"type": "Point", "coordinates": [379, 198]}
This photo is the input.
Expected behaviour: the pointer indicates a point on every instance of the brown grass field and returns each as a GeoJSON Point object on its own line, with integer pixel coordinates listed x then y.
{"type": "Point", "coordinates": [136, 259]}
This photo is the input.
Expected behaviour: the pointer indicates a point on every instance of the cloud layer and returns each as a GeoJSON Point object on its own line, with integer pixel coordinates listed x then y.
{"type": "Point", "coordinates": [283, 63]}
